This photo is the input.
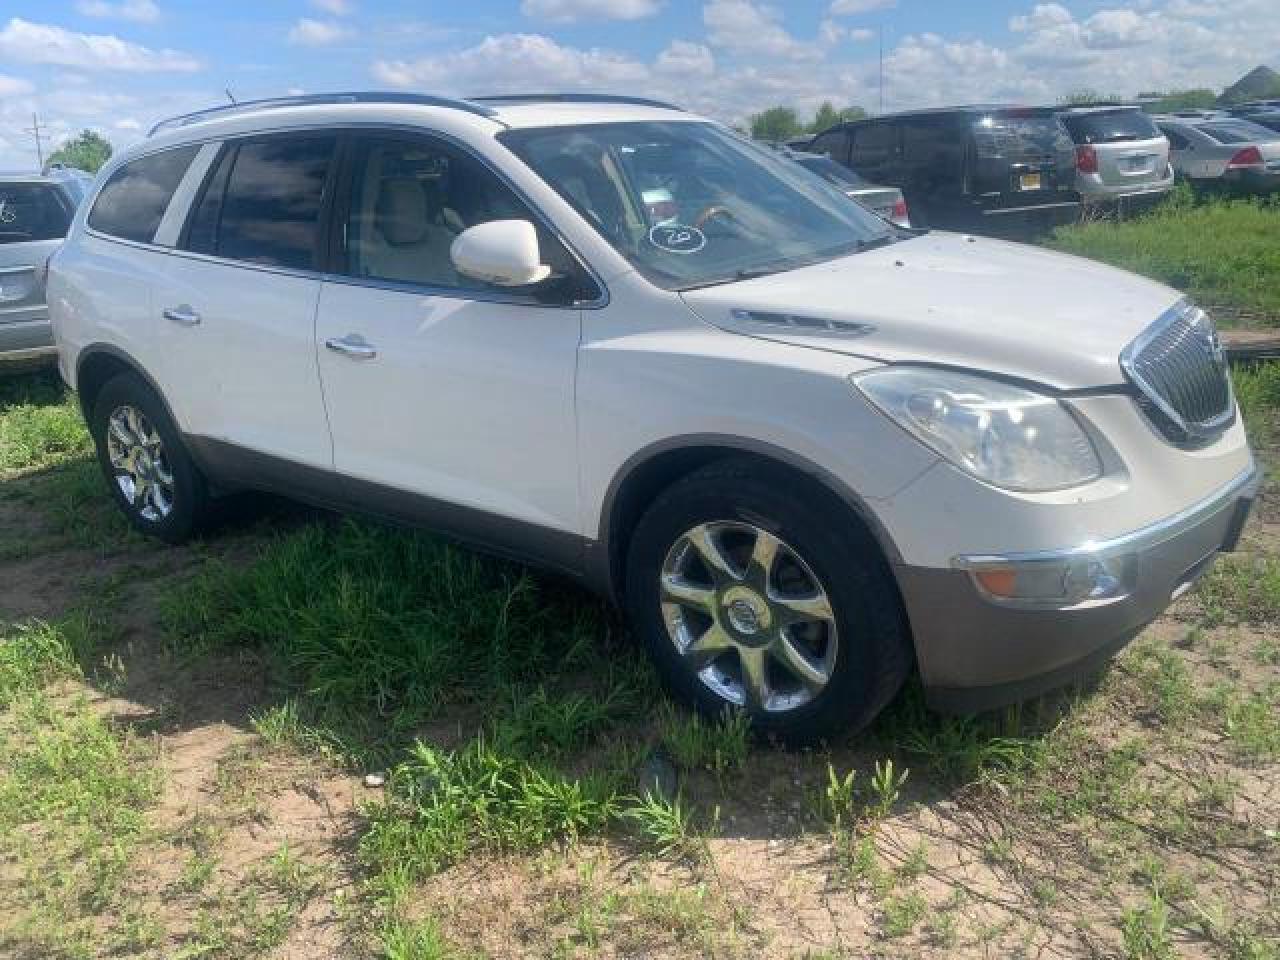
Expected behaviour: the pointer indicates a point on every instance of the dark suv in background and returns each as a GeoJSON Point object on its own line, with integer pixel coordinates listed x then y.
{"type": "Point", "coordinates": [999, 170]}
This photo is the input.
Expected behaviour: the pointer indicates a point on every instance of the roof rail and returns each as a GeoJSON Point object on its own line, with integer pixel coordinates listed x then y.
{"type": "Point", "coordinates": [274, 103]}
{"type": "Point", "coordinates": [516, 98]}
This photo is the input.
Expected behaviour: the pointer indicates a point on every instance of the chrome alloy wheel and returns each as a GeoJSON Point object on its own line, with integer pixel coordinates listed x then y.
{"type": "Point", "coordinates": [141, 468]}
{"type": "Point", "coordinates": [749, 616]}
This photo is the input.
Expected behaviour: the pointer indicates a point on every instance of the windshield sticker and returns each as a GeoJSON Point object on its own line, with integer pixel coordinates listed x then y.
{"type": "Point", "coordinates": [677, 238]}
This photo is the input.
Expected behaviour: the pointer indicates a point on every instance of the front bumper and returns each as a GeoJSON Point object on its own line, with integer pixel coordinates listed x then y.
{"type": "Point", "coordinates": [977, 652]}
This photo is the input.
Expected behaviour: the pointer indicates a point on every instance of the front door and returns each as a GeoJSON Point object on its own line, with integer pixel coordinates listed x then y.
{"type": "Point", "coordinates": [450, 401]}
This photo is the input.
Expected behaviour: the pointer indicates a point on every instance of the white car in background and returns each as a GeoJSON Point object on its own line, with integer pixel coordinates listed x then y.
{"type": "Point", "coordinates": [1224, 151]}
{"type": "Point", "coordinates": [802, 448]}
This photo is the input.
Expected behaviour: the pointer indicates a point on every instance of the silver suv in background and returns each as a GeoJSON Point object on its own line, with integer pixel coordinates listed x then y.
{"type": "Point", "coordinates": [35, 212]}
{"type": "Point", "coordinates": [1225, 152]}
{"type": "Point", "coordinates": [1122, 158]}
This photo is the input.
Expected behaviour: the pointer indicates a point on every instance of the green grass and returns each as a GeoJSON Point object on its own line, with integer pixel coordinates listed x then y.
{"type": "Point", "coordinates": [387, 626]}
{"type": "Point", "coordinates": [40, 423]}
{"type": "Point", "coordinates": [1221, 252]}
{"type": "Point", "coordinates": [74, 791]}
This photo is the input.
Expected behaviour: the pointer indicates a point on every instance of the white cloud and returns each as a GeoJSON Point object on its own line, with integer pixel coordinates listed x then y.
{"type": "Point", "coordinates": [748, 28]}
{"type": "Point", "coordinates": [307, 32]}
{"type": "Point", "coordinates": [1043, 17]}
{"type": "Point", "coordinates": [862, 34]}
{"type": "Point", "coordinates": [139, 11]}
{"type": "Point", "coordinates": [569, 11]}
{"type": "Point", "coordinates": [850, 8]}
{"type": "Point", "coordinates": [684, 59]}
{"type": "Point", "coordinates": [515, 62]}
{"type": "Point", "coordinates": [128, 124]}
{"type": "Point", "coordinates": [27, 42]}
{"type": "Point", "coordinates": [14, 86]}
{"type": "Point", "coordinates": [335, 8]}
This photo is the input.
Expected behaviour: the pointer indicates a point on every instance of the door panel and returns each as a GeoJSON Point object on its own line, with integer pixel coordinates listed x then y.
{"type": "Point", "coordinates": [466, 401]}
{"type": "Point", "coordinates": [436, 384]}
{"type": "Point", "coordinates": [236, 314]}
{"type": "Point", "coordinates": [237, 345]}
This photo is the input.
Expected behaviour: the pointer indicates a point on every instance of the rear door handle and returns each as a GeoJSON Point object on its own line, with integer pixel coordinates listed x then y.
{"type": "Point", "coordinates": [353, 346]}
{"type": "Point", "coordinates": [183, 316]}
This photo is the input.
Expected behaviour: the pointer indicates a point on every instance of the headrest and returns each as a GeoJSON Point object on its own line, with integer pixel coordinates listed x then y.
{"type": "Point", "coordinates": [402, 211]}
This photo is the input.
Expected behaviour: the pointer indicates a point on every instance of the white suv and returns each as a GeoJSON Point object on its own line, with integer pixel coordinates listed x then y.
{"type": "Point", "coordinates": [802, 447]}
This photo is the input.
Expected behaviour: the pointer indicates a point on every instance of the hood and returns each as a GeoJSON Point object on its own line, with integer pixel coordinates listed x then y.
{"type": "Point", "coordinates": [986, 305]}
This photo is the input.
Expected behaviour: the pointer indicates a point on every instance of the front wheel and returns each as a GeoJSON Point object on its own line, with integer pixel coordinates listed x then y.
{"type": "Point", "coordinates": [751, 594]}
{"type": "Point", "coordinates": [151, 476]}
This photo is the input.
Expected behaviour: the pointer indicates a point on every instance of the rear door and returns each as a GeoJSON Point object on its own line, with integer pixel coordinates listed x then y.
{"type": "Point", "coordinates": [235, 308]}
{"type": "Point", "coordinates": [34, 216]}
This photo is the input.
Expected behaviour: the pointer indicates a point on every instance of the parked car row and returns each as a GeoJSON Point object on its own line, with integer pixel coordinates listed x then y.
{"type": "Point", "coordinates": [1005, 170]}
{"type": "Point", "coordinates": [35, 212]}
{"type": "Point", "coordinates": [805, 450]}
{"type": "Point", "coordinates": [1221, 149]}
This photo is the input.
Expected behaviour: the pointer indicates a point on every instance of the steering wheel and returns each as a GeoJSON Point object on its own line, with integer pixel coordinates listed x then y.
{"type": "Point", "coordinates": [711, 212]}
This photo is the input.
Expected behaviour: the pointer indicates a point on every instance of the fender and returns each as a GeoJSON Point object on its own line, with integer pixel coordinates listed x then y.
{"type": "Point", "coordinates": [604, 554]}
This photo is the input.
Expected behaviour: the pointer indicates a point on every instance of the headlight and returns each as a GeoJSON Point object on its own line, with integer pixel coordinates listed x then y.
{"type": "Point", "coordinates": [1008, 436]}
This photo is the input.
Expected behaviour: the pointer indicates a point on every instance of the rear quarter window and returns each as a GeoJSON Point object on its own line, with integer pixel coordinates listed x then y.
{"type": "Point", "coordinates": [32, 211]}
{"type": "Point", "coordinates": [1116, 126]}
{"type": "Point", "coordinates": [1240, 132]}
{"type": "Point", "coordinates": [132, 202]}
{"type": "Point", "coordinates": [1019, 136]}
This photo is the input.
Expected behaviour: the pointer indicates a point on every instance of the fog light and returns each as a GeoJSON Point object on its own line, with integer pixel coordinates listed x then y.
{"type": "Point", "coordinates": [1058, 582]}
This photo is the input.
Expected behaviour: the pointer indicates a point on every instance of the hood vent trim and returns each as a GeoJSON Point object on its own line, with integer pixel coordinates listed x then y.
{"type": "Point", "coordinates": [764, 320]}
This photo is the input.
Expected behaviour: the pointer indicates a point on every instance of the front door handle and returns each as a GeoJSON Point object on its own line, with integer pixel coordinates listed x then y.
{"type": "Point", "coordinates": [353, 346]}
{"type": "Point", "coordinates": [183, 316]}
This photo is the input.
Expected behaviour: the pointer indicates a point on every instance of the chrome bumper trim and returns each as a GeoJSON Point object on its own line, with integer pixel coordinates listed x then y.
{"type": "Point", "coordinates": [1136, 541]}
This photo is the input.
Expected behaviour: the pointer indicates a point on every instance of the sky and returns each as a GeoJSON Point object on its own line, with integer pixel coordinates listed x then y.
{"type": "Point", "coordinates": [117, 66]}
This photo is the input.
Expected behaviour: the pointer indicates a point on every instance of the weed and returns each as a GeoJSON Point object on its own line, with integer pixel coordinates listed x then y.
{"type": "Point", "coordinates": [440, 805]}
{"type": "Point", "coordinates": [35, 654]}
{"type": "Point", "coordinates": [668, 826]}
{"type": "Point", "coordinates": [1240, 589]}
{"type": "Point", "coordinates": [1145, 930]}
{"type": "Point", "coordinates": [1253, 724]}
{"type": "Point", "coordinates": [719, 745]}
{"type": "Point", "coordinates": [414, 940]}
{"type": "Point", "coordinates": [886, 787]}
{"type": "Point", "coordinates": [838, 803]}
{"type": "Point", "coordinates": [902, 914]}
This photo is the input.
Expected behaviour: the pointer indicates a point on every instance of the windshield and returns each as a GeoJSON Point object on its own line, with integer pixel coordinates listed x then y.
{"type": "Point", "coordinates": [32, 211]}
{"type": "Point", "coordinates": [691, 204]}
{"type": "Point", "coordinates": [831, 171]}
{"type": "Point", "coordinates": [1110, 126]}
{"type": "Point", "coordinates": [1241, 131]}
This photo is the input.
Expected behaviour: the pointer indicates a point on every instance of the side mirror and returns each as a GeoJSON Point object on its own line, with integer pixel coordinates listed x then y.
{"type": "Point", "coordinates": [502, 252]}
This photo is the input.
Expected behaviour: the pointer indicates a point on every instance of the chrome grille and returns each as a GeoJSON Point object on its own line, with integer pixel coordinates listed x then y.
{"type": "Point", "coordinates": [1180, 371]}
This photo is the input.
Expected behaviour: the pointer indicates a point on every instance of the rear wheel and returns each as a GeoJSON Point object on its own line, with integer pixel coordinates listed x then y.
{"type": "Point", "coordinates": [750, 595]}
{"type": "Point", "coordinates": [151, 476]}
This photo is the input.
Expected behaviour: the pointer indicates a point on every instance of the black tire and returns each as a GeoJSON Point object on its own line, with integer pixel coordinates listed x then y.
{"type": "Point", "coordinates": [874, 653]}
{"type": "Point", "coordinates": [189, 501]}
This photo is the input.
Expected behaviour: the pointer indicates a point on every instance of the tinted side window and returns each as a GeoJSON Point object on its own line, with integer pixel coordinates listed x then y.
{"type": "Point", "coordinates": [409, 200]}
{"type": "Point", "coordinates": [131, 204]}
{"type": "Point", "coordinates": [263, 202]}
{"type": "Point", "coordinates": [32, 211]}
{"type": "Point", "coordinates": [874, 143]}
{"type": "Point", "coordinates": [834, 143]}
{"type": "Point", "coordinates": [1176, 140]}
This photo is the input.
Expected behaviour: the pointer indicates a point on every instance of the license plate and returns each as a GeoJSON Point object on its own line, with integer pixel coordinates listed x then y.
{"type": "Point", "coordinates": [1134, 164]}
{"type": "Point", "coordinates": [1029, 181]}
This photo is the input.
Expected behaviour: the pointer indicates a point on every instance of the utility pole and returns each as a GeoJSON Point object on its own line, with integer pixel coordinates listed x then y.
{"type": "Point", "coordinates": [37, 131]}
{"type": "Point", "coordinates": [881, 69]}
